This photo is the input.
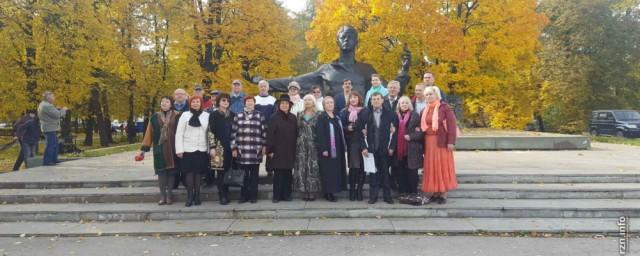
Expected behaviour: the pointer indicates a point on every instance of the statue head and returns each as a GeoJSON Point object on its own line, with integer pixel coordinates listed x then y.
{"type": "Point", "coordinates": [347, 38]}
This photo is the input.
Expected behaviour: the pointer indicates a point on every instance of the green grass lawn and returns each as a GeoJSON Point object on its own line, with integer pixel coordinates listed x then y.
{"type": "Point", "coordinates": [8, 157]}
{"type": "Point", "coordinates": [617, 140]}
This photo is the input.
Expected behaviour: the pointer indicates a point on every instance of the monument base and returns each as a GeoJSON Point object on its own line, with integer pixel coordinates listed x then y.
{"type": "Point", "coordinates": [483, 139]}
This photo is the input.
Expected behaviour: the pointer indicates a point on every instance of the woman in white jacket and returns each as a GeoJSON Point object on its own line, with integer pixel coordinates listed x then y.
{"type": "Point", "coordinates": [192, 148]}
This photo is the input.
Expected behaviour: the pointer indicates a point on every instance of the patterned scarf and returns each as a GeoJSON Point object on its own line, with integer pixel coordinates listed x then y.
{"type": "Point", "coordinates": [164, 119]}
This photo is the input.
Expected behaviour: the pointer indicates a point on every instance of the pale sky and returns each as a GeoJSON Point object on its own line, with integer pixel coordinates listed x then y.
{"type": "Point", "coordinates": [294, 5]}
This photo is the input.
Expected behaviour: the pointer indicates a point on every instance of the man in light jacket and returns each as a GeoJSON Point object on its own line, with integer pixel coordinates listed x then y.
{"type": "Point", "coordinates": [50, 117]}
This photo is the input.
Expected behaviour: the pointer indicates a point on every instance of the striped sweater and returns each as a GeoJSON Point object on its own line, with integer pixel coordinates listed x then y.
{"type": "Point", "coordinates": [249, 136]}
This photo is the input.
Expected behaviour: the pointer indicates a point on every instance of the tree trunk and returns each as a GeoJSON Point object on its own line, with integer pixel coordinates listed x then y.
{"type": "Point", "coordinates": [89, 123]}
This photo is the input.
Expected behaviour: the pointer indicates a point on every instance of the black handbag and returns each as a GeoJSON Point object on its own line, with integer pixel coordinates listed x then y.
{"type": "Point", "coordinates": [234, 177]}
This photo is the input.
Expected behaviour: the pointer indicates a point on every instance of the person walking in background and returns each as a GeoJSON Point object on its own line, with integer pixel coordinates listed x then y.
{"type": "Point", "coordinates": [380, 140]}
{"type": "Point", "coordinates": [220, 124]}
{"type": "Point", "coordinates": [248, 145]}
{"type": "Point", "coordinates": [353, 137]}
{"type": "Point", "coordinates": [331, 146]}
{"type": "Point", "coordinates": [160, 135]}
{"type": "Point", "coordinates": [408, 158]}
{"type": "Point", "coordinates": [439, 124]}
{"type": "Point", "coordinates": [50, 117]}
{"type": "Point", "coordinates": [192, 148]}
{"type": "Point", "coordinates": [306, 172]}
{"type": "Point", "coordinates": [27, 131]}
{"type": "Point", "coordinates": [282, 132]}
{"type": "Point", "coordinates": [237, 97]}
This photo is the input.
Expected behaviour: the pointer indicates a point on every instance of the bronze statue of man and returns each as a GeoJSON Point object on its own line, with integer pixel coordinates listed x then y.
{"type": "Point", "coordinates": [330, 76]}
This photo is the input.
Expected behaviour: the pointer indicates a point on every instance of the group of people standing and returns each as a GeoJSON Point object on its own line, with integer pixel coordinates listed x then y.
{"type": "Point", "coordinates": [312, 144]}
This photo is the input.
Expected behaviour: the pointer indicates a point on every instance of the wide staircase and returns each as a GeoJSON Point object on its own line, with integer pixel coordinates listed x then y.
{"type": "Point", "coordinates": [484, 203]}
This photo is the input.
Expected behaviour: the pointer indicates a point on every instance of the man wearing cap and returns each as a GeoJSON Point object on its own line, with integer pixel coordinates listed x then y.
{"type": "Point", "coordinates": [294, 96]}
{"type": "Point", "coordinates": [206, 103]}
{"type": "Point", "coordinates": [214, 98]}
{"type": "Point", "coordinates": [237, 97]}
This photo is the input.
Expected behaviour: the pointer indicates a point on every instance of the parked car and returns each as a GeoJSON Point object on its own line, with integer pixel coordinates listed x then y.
{"type": "Point", "coordinates": [621, 123]}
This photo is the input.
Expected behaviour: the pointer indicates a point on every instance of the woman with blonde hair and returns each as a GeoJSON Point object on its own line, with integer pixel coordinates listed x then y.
{"type": "Point", "coordinates": [306, 172]}
{"type": "Point", "coordinates": [331, 147]}
{"type": "Point", "coordinates": [408, 158]}
{"type": "Point", "coordinates": [439, 124]}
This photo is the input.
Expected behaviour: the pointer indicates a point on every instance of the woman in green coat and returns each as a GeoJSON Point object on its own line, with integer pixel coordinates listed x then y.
{"type": "Point", "coordinates": [160, 133]}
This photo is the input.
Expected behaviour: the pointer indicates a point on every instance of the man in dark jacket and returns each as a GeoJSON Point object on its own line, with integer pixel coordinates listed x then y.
{"type": "Point", "coordinates": [378, 123]}
{"type": "Point", "coordinates": [27, 131]}
{"type": "Point", "coordinates": [342, 98]}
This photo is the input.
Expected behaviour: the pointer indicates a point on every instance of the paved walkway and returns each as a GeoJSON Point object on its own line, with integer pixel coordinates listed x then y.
{"type": "Point", "coordinates": [602, 159]}
{"type": "Point", "coordinates": [337, 245]}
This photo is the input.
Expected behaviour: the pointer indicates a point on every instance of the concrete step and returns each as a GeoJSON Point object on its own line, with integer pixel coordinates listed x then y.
{"type": "Point", "coordinates": [480, 191]}
{"type": "Point", "coordinates": [463, 178]}
{"type": "Point", "coordinates": [306, 226]}
{"type": "Point", "coordinates": [455, 208]}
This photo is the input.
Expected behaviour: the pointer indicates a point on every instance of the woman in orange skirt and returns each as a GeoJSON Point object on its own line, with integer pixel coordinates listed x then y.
{"type": "Point", "coordinates": [439, 124]}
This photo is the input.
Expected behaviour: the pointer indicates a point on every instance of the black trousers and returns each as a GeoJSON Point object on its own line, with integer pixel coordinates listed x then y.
{"type": "Point", "coordinates": [407, 178]}
{"type": "Point", "coordinates": [223, 190]}
{"type": "Point", "coordinates": [250, 189]}
{"type": "Point", "coordinates": [282, 184]}
{"type": "Point", "coordinates": [380, 179]}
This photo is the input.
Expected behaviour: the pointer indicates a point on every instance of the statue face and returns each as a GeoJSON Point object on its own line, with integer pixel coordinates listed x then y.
{"type": "Point", "coordinates": [347, 40]}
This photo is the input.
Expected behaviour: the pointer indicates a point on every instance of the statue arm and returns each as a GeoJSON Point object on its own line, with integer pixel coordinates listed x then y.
{"type": "Point", "coordinates": [281, 84]}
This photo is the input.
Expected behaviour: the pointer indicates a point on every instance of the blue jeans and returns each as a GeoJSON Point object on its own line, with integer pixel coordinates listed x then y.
{"type": "Point", "coordinates": [51, 149]}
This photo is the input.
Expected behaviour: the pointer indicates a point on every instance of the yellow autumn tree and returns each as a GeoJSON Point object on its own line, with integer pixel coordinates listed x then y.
{"type": "Point", "coordinates": [482, 51]}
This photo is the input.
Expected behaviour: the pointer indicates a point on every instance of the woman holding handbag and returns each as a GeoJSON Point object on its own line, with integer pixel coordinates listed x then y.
{"type": "Point", "coordinates": [282, 132]}
{"type": "Point", "coordinates": [306, 173]}
{"type": "Point", "coordinates": [220, 125]}
{"type": "Point", "coordinates": [439, 124]}
{"type": "Point", "coordinates": [159, 135]}
{"type": "Point", "coordinates": [248, 145]}
{"type": "Point", "coordinates": [409, 149]}
{"type": "Point", "coordinates": [192, 147]}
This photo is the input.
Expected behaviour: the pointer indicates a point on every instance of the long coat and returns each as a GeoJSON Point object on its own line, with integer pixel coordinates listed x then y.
{"type": "Point", "coordinates": [248, 136]}
{"type": "Point", "coordinates": [415, 145]}
{"type": "Point", "coordinates": [220, 125]}
{"type": "Point", "coordinates": [282, 132]}
{"type": "Point", "coordinates": [354, 140]}
{"type": "Point", "coordinates": [306, 173]}
{"type": "Point", "coordinates": [333, 170]}
{"type": "Point", "coordinates": [163, 151]}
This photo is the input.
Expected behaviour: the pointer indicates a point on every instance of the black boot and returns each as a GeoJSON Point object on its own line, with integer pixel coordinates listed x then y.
{"type": "Point", "coordinates": [196, 197]}
{"type": "Point", "coordinates": [352, 193]}
{"type": "Point", "coordinates": [189, 198]}
{"type": "Point", "coordinates": [223, 196]}
{"type": "Point", "coordinates": [360, 187]}
{"type": "Point", "coordinates": [387, 196]}
{"type": "Point", "coordinates": [373, 195]}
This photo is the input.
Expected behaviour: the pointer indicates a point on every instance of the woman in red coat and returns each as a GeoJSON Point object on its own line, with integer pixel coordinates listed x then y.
{"type": "Point", "coordinates": [439, 124]}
